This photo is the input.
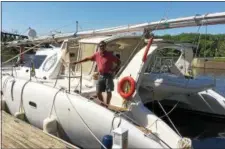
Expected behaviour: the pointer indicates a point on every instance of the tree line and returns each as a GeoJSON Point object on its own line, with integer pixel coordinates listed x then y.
{"type": "Point", "coordinates": [209, 45]}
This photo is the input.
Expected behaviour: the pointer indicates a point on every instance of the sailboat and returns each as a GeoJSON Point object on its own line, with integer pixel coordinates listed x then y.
{"type": "Point", "coordinates": [166, 77]}
{"type": "Point", "coordinates": [49, 89]}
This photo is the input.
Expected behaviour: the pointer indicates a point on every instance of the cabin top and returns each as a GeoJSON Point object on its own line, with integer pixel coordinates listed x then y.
{"type": "Point", "coordinates": [95, 40]}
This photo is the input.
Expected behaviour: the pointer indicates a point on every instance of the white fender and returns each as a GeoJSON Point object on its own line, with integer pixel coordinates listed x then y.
{"type": "Point", "coordinates": [185, 143]}
{"type": "Point", "coordinates": [50, 125]}
{"type": "Point", "coordinates": [20, 115]}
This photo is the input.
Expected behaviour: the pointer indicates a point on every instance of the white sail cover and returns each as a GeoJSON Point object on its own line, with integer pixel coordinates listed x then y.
{"type": "Point", "coordinates": [207, 19]}
{"type": "Point", "coordinates": [197, 20]}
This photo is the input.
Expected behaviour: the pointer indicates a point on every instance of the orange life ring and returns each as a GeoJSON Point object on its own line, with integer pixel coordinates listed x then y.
{"type": "Point", "coordinates": [121, 84]}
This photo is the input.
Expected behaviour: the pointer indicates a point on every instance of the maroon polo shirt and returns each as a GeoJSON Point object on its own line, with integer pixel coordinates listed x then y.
{"type": "Point", "coordinates": [105, 61]}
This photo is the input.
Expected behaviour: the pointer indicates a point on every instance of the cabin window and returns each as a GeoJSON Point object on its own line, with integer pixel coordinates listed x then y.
{"type": "Point", "coordinates": [72, 54]}
{"type": "Point", "coordinates": [64, 46]}
{"type": "Point", "coordinates": [123, 48]}
{"type": "Point", "coordinates": [28, 58]}
{"type": "Point", "coordinates": [163, 60]}
{"type": "Point", "coordinates": [87, 50]}
{"type": "Point", "coordinates": [50, 62]}
{"type": "Point", "coordinates": [37, 61]}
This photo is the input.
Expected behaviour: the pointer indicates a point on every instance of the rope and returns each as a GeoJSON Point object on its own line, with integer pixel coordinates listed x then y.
{"type": "Point", "coordinates": [135, 122]}
{"type": "Point", "coordinates": [169, 119]}
{"type": "Point", "coordinates": [206, 32]}
{"type": "Point", "coordinates": [55, 30]}
{"type": "Point", "coordinates": [139, 72]}
{"type": "Point", "coordinates": [166, 114]}
{"type": "Point", "coordinates": [206, 102]}
{"type": "Point", "coordinates": [170, 110]}
{"type": "Point", "coordinates": [12, 86]}
{"type": "Point", "coordinates": [167, 11]}
{"type": "Point", "coordinates": [32, 69]}
{"type": "Point", "coordinates": [165, 16]}
{"type": "Point", "coordinates": [70, 70]}
{"type": "Point", "coordinates": [85, 124]}
{"type": "Point", "coordinates": [14, 70]}
{"type": "Point", "coordinates": [54, 101]}
{"type": "Point", "coordinates": [58, 76]}
{"type": "Point", "coordinates": [5, 83]}
{"type": "Point", "coordinates": [22, 53]}
{"type": "Point", "coordinates": [77, 86]}
{"type": "Point", "coordinates": [199, 36]}
{"type": "Point", "coordinates": [112, 126]}
{"type": "Point", "coordinates": [132, 54]}
{"type": "Point", "coordinates": [21, 34]}
{"type": "Point", "coordinates": [21, 97]}
{"type": "Point", "coordinates": [120, 113]}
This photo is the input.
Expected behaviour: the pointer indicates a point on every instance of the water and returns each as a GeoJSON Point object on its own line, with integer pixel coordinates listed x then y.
{"type": "Point", "coordinates": [211, 143]}
{"type": "Point", "coordinates": [205, 131]}
{"type": "Point", "coordinates": [218, 139]}
{"type": "Point", "coordinates": [219, 76]}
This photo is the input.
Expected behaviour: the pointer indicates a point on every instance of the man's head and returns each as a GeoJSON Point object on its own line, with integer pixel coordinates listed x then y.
{"type": "Point", "coordinates": [102, 46]}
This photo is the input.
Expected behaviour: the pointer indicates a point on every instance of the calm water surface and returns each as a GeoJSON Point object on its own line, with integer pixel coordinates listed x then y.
{"type": "Point", "coordinates": [218, 141]}
{"type": "Point", "coordinates": [219, 75]}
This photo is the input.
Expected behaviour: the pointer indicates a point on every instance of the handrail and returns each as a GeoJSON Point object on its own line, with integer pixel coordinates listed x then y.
{"type": "Point", "coordinates": [81, 70]}
{"type": "Point", "coordinates": [66, 76]}
{"type": "Point", "coordinates": [69, 69]}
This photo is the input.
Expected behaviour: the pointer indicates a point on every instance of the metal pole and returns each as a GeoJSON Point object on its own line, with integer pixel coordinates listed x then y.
{"type": "Point", "coordinates": [69, 77]}
{"type": "Point", "coordinates": [21, 54]}
{"type": "Point", "coordinates": [30, 70]}
{"type": "Point", "coordinates": [76, 26]}
{"type": "Point", "coordinates": [12, 68]}
{"type": "Point", "coordinates": [80, 69]}
{"type": "Point", "coordinates": [68, 68]}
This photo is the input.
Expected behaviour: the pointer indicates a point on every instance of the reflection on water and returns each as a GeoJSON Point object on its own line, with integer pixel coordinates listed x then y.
{"type": "Point", "coordinates": [212, 143]}
{"type": "Point", "coordinates": [219, 75]}
{"type": "Point", "coordinates": [209, 72]}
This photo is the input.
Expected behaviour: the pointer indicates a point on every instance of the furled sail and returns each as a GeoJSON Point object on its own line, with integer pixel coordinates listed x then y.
{"type": "Point", "coordinates": [197, 20]}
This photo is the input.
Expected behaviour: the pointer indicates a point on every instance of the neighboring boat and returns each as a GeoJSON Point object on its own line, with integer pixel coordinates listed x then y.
{"type": "Point", "coordinates": [169, 80]}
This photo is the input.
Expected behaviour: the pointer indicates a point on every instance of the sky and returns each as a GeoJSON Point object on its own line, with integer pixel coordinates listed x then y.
{"type": "Point", "coordinates": [45, 17]}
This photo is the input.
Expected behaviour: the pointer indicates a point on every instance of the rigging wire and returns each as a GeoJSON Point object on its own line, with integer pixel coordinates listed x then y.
{"type": "Point", "coordinates": [85, 124]}
{"type": "Point", "coordinates": [165, 20]}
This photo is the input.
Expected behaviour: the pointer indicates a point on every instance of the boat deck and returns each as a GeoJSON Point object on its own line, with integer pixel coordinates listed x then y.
{"type": "Point", "coordinates": [18, 134]}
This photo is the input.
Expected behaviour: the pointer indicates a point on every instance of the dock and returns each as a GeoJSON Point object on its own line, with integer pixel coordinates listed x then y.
{"type": "Point", "coordinates": [19, 134]}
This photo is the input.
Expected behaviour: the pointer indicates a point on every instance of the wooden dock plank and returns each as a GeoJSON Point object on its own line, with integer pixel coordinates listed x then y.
{"type": "Point", "coordinates": [18, 134]}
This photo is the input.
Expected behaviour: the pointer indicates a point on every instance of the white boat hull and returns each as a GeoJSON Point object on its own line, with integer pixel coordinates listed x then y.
{"type": "Point", "coordinates": [72, 110]}
{"type": "Point", "coordinates": [194, 93]}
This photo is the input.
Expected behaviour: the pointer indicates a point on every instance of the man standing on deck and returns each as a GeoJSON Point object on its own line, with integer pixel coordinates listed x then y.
{"type": "Point", "coordinates": [104, 60]}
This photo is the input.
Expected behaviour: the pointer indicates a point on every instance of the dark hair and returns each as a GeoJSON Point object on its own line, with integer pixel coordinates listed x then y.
{"type": "Point", "coordinates": [102, 43]}
{"type": "Point", "coordinates": [118, 56]}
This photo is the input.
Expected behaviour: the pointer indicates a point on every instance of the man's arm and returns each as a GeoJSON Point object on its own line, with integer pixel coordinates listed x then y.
{"type": "Point", "coordinates": [91, 58]}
